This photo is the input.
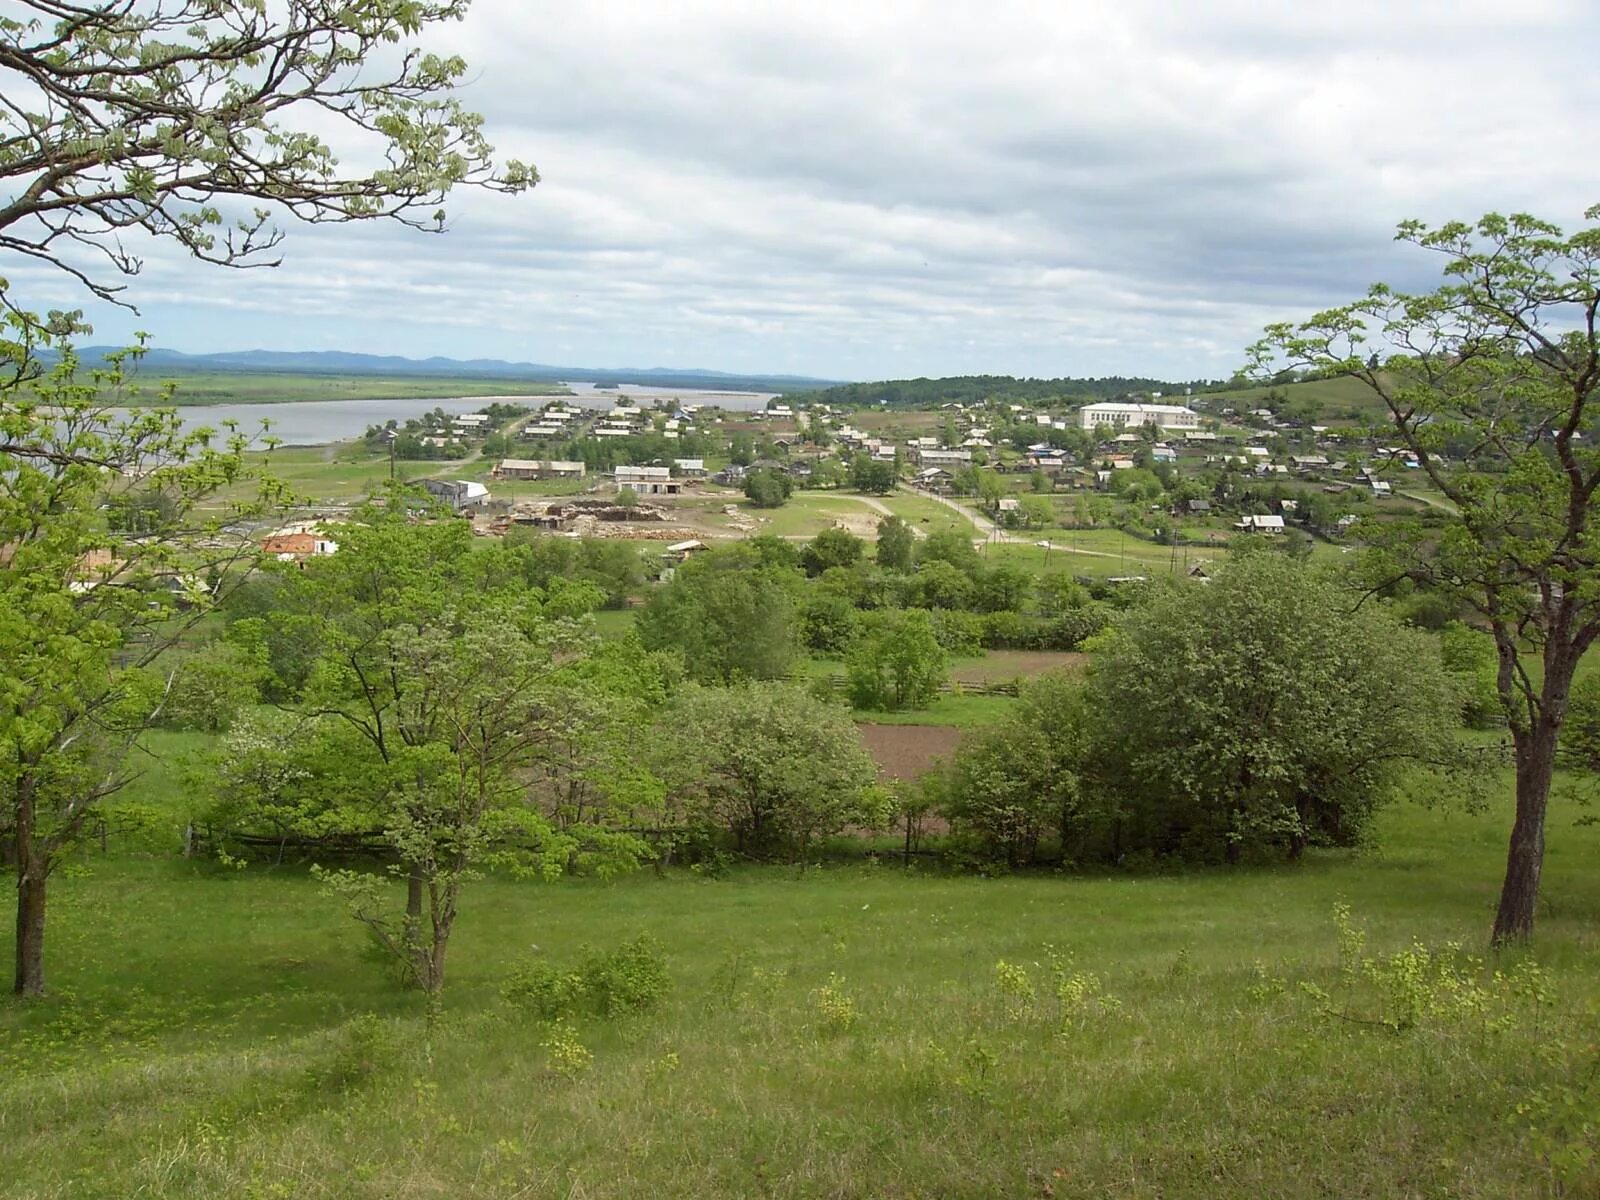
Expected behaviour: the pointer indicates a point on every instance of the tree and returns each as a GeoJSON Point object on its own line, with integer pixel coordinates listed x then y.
{"type": "Point", "coordinates": [198, 121]}
{"type": "Point", "coordinates": [1010, 785]}
{"type": "Point", "coordinates": [1264, 712]}
{"type": "Point", "coordinates": [86, 610]}
{"type": "Point", "coordinates": [896, 543]}
{"type": "Point", "coordinates": [474, 696]}
{"type": "Point", "coordinates": [730, 617]}
{"type": "Point", "coordinates": [447, 669]}
{"type": "Point", "coordinates": [832, 547]}
{"type": "Point", "coordinates": [768, 488]}
{"type": "Point", "coordinates": [874, 478]}
{"type": "Point", "coordinates": [770, 765]}
{"type": "Point", "coordinates": [1502, 362]}
{"type": "Point", "coordinates": [898, 664]}
{"type": "Point", "coordinates": [742, 450]}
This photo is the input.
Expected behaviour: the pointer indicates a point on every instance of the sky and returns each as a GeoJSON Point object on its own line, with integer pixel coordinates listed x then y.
{"type": "Point", "coordinates": [886, 190]}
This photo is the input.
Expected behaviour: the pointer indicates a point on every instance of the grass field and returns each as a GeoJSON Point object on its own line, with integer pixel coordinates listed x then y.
{"type": "Point", "coordinates": [265, 387]}
{"type": "Point", "coordinates": [835, 1032]}
{"type": "Point", "coordinates": [1331, 401]}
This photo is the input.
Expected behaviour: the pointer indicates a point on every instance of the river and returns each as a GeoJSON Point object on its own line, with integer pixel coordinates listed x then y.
{"type": "Point", "coordinates": [317, 422]}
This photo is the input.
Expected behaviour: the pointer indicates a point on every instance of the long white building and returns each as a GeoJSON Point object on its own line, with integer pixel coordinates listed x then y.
{"type": "Point", "coordinates": [1118, 414]}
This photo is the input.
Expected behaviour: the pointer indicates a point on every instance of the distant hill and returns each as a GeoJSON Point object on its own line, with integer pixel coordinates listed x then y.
{"type": "Point", "coordinates": [974, 389]}
{"type": "Point", "coordinates": [340, 362]}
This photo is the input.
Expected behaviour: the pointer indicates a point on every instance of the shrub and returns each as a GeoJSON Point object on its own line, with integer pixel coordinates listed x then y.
{"type": "Point", "coordinates": [632, 978]}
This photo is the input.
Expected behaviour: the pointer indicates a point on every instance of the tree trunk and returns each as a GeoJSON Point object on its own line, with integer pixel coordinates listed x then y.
{"type": "Point", "coordinates": [1519, 895]}
{"type": "Point", "coordinates": [31, 871]}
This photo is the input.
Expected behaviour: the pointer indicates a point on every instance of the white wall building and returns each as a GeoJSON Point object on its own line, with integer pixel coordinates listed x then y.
{"type": "Point", "coordinates": [1117, 414]}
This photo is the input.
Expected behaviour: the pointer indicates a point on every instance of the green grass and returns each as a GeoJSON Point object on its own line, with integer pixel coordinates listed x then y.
{"type": "Point", "coordinates": [807, 514]}
{"type": "Point", "coordinates": [831, 1033]}
{"type": "Point", "coordinates": [1329, 401]}
{"type": "Point", "coordinates": [261, 387]}
{"type": "Point", "coordinates": [923, 514]}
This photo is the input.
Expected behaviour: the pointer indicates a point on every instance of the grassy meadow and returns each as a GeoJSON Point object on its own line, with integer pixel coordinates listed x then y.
{"type": "Point", "coordinates": [838, 1031]}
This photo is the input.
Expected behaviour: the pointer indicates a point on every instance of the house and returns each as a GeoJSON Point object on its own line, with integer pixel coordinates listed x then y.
{"type": "Point", "coordinates": [946, 458]}
{"type": "Point", "coordinates": [648, 481]}
{"type": "Point", "coordinates": [1198, 508]}
{"type": "Point", "coordinates": [690, 468]}
{"type": "Point", "coordinates": [1308, 462]}
{"type": "Point", "coordinates": [530, 468]}
{"type": "Point", "coordinates": [1123, 413]}
{"type": "Point", "coordinates": [1164, 454]}
{"type": "Point", "coordinates": [470, 422]}
{"type": "Point", "coordinates": [459, 494]}
{"type": "Point", "coordinates": [935, 479]}
{"type": "Point", "coordinates": [1261, 524]}
{"type": "Point", "coordinates": [297, 545]}
{"type": "Point", "coordinates": [1007, 504]}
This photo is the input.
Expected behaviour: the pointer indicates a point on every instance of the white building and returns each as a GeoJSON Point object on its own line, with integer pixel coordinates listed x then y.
{"type": "Point", "coordinates": [1120, 413]}
{"type": "Point", "coordinates": [648, 481]}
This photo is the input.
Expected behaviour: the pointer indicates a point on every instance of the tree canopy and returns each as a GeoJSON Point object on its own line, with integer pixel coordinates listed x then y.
{"type": "Point", "coordinates": [1490, 382]}
{"type": "Point", "coordinates": [203, 122]}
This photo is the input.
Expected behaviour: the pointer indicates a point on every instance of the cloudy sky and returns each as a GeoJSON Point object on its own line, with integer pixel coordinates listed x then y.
{"type": "Point", "coordinates": [870, 190]}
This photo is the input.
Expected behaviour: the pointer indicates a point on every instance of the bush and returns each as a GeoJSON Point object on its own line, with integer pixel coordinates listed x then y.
{"type": "Point", "coordinates": [899, 664]}
{"type": "Point", "coordinates": [632, 978]}
{"type": "Point", "coordinates": [958, 632]}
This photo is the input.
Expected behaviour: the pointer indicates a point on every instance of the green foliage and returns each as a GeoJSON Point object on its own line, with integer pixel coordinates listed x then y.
{"type": "Point", "coordinates": [897, 664]}
{"type": "Point", "coordinates": [874, 478]}
{"type": "Point", "coordinates": [1011, 785]}
{"type": "Point", "coordinates": [1265, 711]}
{"type": "Point", "coordinates": [195, 105]}
{"type": "Point", "coordinates": [632, 978]}
{"type": "Point", "coordinates": [828, 622]}
{"type": "Point", "coordinates": [1491, 390]}
{"type": "Point", "coordinates": [1580, 736]}
{"type": "Point", "coordinates": [209, 689]}
{"type": "Point", "coordinates": [727, 615]}
{"type": "Point", "coordinates": [86, 606]}
{"type": "Point", "coordinates": [831, 548]}
{"type": "Point", "coordinates": [896, 544]}
{"type": "Point", "coordinates": [768, 487]}
{"type": "Point", "coordinates": [1470, 658]}
{"type": "Point", "coordinates": [768, 765]}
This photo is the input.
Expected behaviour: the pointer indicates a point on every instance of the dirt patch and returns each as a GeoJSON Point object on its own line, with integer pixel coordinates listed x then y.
{"type": "Point", "coordinates": [908, 751]}
{"type": "Point", "coordinates": [1003, 666]}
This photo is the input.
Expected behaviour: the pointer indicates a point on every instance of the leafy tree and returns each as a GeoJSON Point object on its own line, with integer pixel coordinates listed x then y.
{"type": "Point", "coordinates": [154, 118]}
{"type": "Point", "coordinates": [729, 617]}
{"type": "Point", "coordinates": [1580, 736]}
{"type": "Point", "coordinates": [874, 478]}
{"type": "Point", "coordinates": [1469, 656]}
{"type": "Point", "coordinates": [1036, 512]}
{"type": "Point", "coordinates": [768, 488]}
{"type": "Point", "coordinates": [770, 765]}
{"type": "Point", "coordinates": [897, 664]}
{"type": "Point", "coordinates": [951, 547]}
{"type": "Point", "coordinates": [473, 694]}
{"type": "Point", "coordinates": [1026, 777]}
{"type": "Point", "coordinates": [828, 622]}
{"type": "Point", "coordinates": [86, 610]}
{"type": "Point", "coordinates": [1264, 711]}
{"type": "Point", "coordinates": [940, 585]}
{"type": "Point", "coordinates": [627, 497]}
{"type": "Point", "coordinates": [1501, 363]}
{"type": "Point", "coordinates": [1002, 589]}
{"type": "Point", "coordinates": [896, 543]}
{"type": "Point", "coordinates": [833, 547]}
{"type": "Point", "coordinates": [742, 450]}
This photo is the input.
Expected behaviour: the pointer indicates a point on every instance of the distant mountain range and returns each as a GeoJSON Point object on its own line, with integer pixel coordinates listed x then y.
{"type": "Point", "coordinates": [340, 362]}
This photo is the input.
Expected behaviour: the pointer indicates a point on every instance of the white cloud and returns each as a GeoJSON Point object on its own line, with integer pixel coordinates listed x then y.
{"type": "Point", "coordinates": [914, 188]}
